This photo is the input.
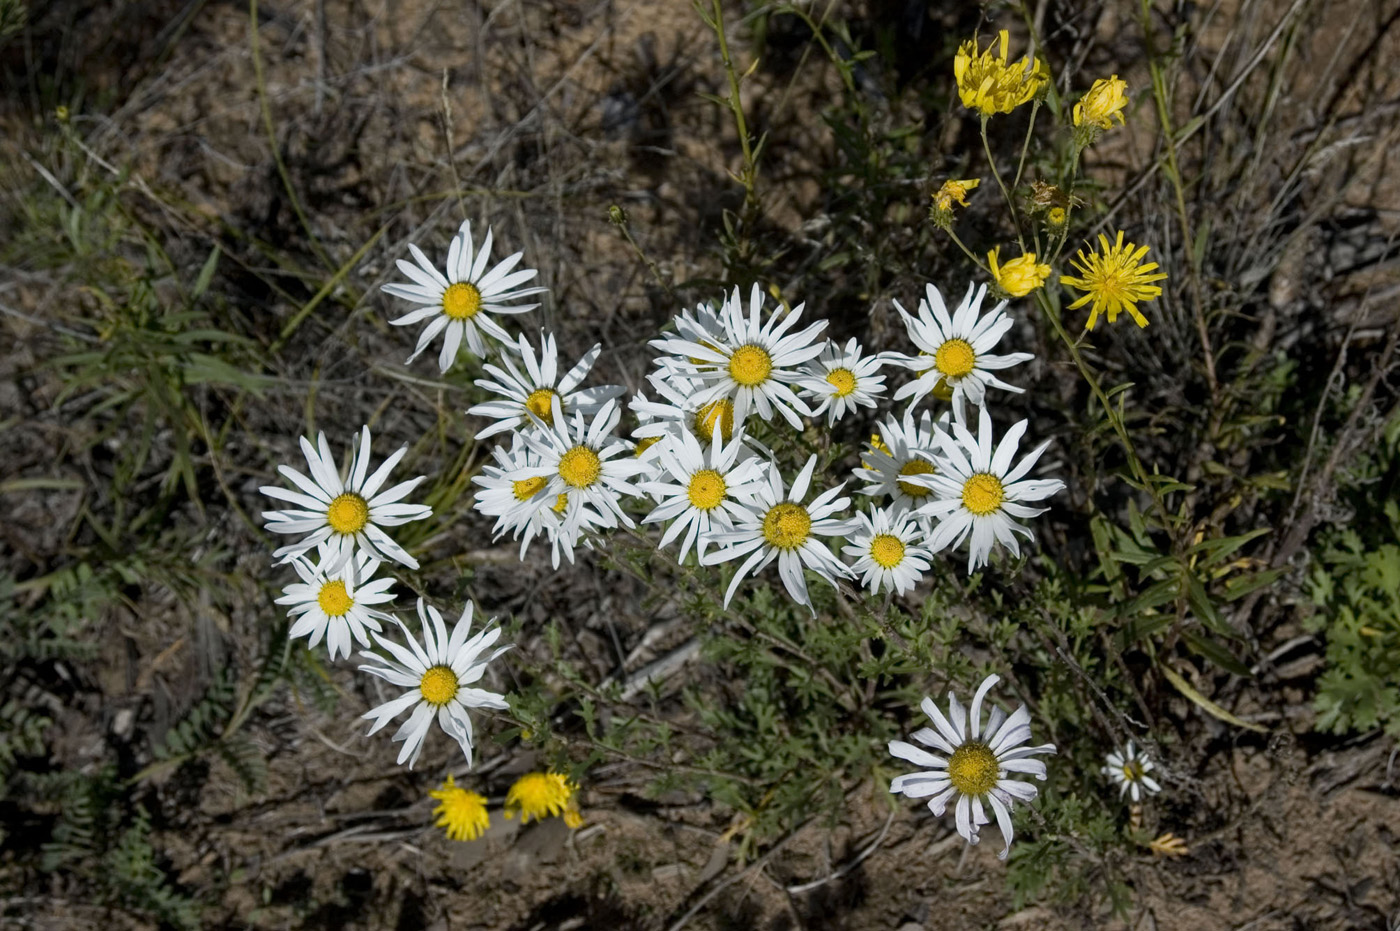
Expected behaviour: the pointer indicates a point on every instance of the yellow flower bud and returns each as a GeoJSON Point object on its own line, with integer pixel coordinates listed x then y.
{"type": "Point", "coordinates": [1020, 276]}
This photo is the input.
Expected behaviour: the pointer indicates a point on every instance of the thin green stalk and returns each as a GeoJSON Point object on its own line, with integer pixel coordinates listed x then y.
{"type": "Point", "coordinates": [1010, 203]}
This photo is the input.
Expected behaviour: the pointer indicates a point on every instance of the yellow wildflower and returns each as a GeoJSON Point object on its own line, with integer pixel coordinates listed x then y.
{"type": "Point", "coordinates": [1114, 279]}
{"type": "Point", "coordinates": [952, 192]}
{"type": "Point", "coordinates": [1101, 103]}
{"type": "Point", "coordinates": [462, 813]}
{"type": "Point", "coordinates": [543, 795]}
{"type": "Point", "coordinates": [1055, 217]}
{"type": "Point", "coordinates": [1020, 276]}
{"type": "Point", "coordinates": [989, 84]}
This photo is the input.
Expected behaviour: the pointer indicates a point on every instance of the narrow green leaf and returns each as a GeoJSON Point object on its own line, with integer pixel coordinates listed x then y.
{"type": "Point", "coordinates": [1208, 706]}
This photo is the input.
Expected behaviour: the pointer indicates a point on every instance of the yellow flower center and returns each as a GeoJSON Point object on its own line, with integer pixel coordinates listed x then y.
{"type": "Point", "coordinates": [750, 365]}
{"type": "Point", "coordinates": [973, 769]}
{"type": "Point", "coordinates": [982, 494]}
{"type": "Point", "coordinates": [560, 502]}
{"type": "Point", "coordinates": [348, 513]}
{"type": "Point", "coordinates": [915, 467]}
{"type": "Point", "coordinates": [334, 599]}
{"type": "Point", "coordinates": [706, 489]}
{"type": "Point", "coordinates": [438, 685]}
{"type": "Point", "coordinates": [539, 795]}
{"type": "Point", "coordinates": [580, 467]}
{"type": "Point", "coordinates": [1132, 771]}
{"type": "Point", "coordinates": [462, 814]}
{"type": "Point", "coordinates": [843, 381]}
{"type": "Point", "coordinates": [955, 358]}
{"type": "Point", "coordinates": [787, 525]}
{"type": "Point", "coordinates": [645, 443]}
{"type": "Point", "coordinates": [540, 403]}
{"type": "Point", "coordinates": [887, 550]}
{"type": "Point", "coordinates": [525, 489]}
{"type": "Point", "coordinates": [461, 301]}
{"type": "Point", "coordinates": [716, 414]}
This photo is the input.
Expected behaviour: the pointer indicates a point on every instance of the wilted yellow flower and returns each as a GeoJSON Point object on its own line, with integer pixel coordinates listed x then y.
{"type": "Point", "coordinates": [462, 813]}
{"type": "Point", "coordinates": [543, 795]}
{"type": "Point", "coordinates": [989, 84]}
{"type": "Point", "coordinates": [1103, 101]}
{"type": "Point", "coordinates": [954, 192]}
{"type": "Point", "coordinates": [1019, 276]}
{"type": "Point", "coordinates": [1114, 279]}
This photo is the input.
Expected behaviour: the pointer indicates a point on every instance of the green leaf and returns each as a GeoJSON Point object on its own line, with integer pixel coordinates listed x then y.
{"type": "Point", "coordinates": [1206, 705]}
{"type": "Point", "coordinates": [1215, 652]}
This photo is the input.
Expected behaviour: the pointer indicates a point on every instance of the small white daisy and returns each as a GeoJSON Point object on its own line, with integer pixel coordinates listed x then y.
{"type": "Point", "coordinates": [843, 381]}
{"type": "Point", "coordinates": [439, 676]}
{"type": "Point", "coordinates": [1129, 769]}
{"type": "Point", "coordinates": [703, 494]}
{"type": "Point", "coordinates": [779, 526]}
{"type": "Point", "coordinates": [888, 550]}
{"type": "Point", "coordinates": [956, 351]}
{"type": "Point", "coordinates": [343, 513]}
{"type": "Point", "coordinates": [976, 764]}
{"type": "Point", "coordinates": [679, 413]}
{"type": "Point", "coordinates": [901, 450]}
{"type": "Point", "coordinates": [336, 605]}
{"type": "Point", "coordinates": [756, 364]}
{"type": "Point", "coordinates": [581, 460]}
{"type": "Point", "coordinates": [533, 391]}
{"type": "Point", "coordinates": [461, 302]}
{"type": "Point", "coordinates": [977, 492]}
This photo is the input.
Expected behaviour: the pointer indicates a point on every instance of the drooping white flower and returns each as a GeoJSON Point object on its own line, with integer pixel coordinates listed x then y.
{"type": "Point", "coordinates": [460, 301]}
{"type": "Point", "coordinates": [779, 526]}
{"type": "Point", "coordinates": [842, 381]}
{"type": "Point", "coordinates": [974, 764]}
{"type": "Point", "coordinates": [440, 677]}
{"type": "Point", "coordinates": [336, 604]}
{"type": "Point", "coordinates": [701, 494]}
{"type": "Point", "coordinates": [533, 391]}
{"type": "Point", "coordinates": [888, 550]}
{"type": "Point", "coordinates": [978, 493]}
{"type": "Point", "coordinates": [1129, 770]}
{"type": "Point", "coordinates": [956, 350]}
{"type": "Point", "coordinates": [756, 364]}
{"type": "Point", "coordinates": [344, 513]}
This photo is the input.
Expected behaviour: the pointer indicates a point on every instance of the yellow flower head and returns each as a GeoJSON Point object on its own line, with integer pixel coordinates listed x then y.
{"type": "Point", "coordinates": [1055, 217]}
{"type": "Point", "coordinates": [1104, 101]}
{"type": "Point", "coordinates": [543, 795]}
{"type": "Point", "coordinates": [1019, 276]}
{"type": "Point", "coordinates": [989, 84]}
{"type": "Point", "coordinates": [954, 192]}
{"type": "Point", "coordinates": [1114, 278]}
{"type": "Point", "coordinates": [461, 813]}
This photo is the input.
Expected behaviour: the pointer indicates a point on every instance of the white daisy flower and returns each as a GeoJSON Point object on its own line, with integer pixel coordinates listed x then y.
{"type": "Point", "coordinates": [580, 460]}
{"type": "Point", "coordinates": [336, 605]}
{"type": "Point", "coordinates": [901, 450]}
{"type": "Point", "coordinates": [343, 513]}
{"type": "Point", "coordinates": [705, 328]}
{"type": "Point", "coordinates": [780, 527]}
{"type": "Point", "coordinates": [956, 351]}
{"type": "Point", "coordinates": [679, 413]}
{"type": "Point", "coordinates": [977, 492]}
{"type": "Point", "coordinates": [1129, 769]}
{"type": "Point", "coordinates": [888, 550]}
{"type": "Point", "coordinates": [461, 302]}
{"type": "Point", "coordinates": [755, 365]}
{"type": "Point", "coordinates": [533, 391]}
{"type": "Point", "coordinates": [843, 381]}
{"type": "Point", "coordinates": [976, 765]}
{"type": "Point", "coordinates": [703, 494]}
{"type": "Point", "coordinates": [439, 676]}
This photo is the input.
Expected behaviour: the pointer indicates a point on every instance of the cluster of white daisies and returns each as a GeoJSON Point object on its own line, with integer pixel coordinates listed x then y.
{"type": "Point", "coordinates": [566, 475]}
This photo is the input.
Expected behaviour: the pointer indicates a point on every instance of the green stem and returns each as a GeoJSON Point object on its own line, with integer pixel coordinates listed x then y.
{"type": "Point", "coordinates": [1010, 203]}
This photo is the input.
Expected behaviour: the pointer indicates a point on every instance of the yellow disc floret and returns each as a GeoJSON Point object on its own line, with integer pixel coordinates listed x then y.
{"type": "Point", "coordinates": [887, 550]}
{"type": "Point", "coordinates": [750, 365]}
{"type": "Point", "coordinates": [973, 769]}
{"type": "Point", "coordinates": [527, 488]}
{"type": "Point", "coordinates": [915, 467]}
{"type": "Point", "coordinates": [989, 83]}
{"type": "Point", "coordinates": [461, 301]}
{"type": "Point", "coordinates": [540, 403]}
{"type": "Point", "coordinates": [715, 415]}
{"type": "Point", "coordinates": [842, 381]}
{"type": "Point", "coordinates": [348, 513]}
{"type": "Point", "coordinates": [334, 599]}
{"type": "Point", "coordinates": [461, 813]}
{"type": "Point", "coordinates": [438, 685]}
{"type": "Point", "coordinates": [1132, 771]}
{"type": "Point", "coordinates": [560, 503]}
{"type": "Point", "coordinates": [706, 489]}
{"type": "Point", "coordinates": [982, 494]}
{"type": "Point", "coordinates": [1114, 279]}
{"type": "Point", "coordinates": [955, 358]}
{"type": "Point", "coordinates": [539, 796]}
{"type": "Point", "coordinates": [580, 467]}
{"type": "Point", "coordinates": [787, 526]}
{"type": "Point", "coordinates": [645, 443]}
